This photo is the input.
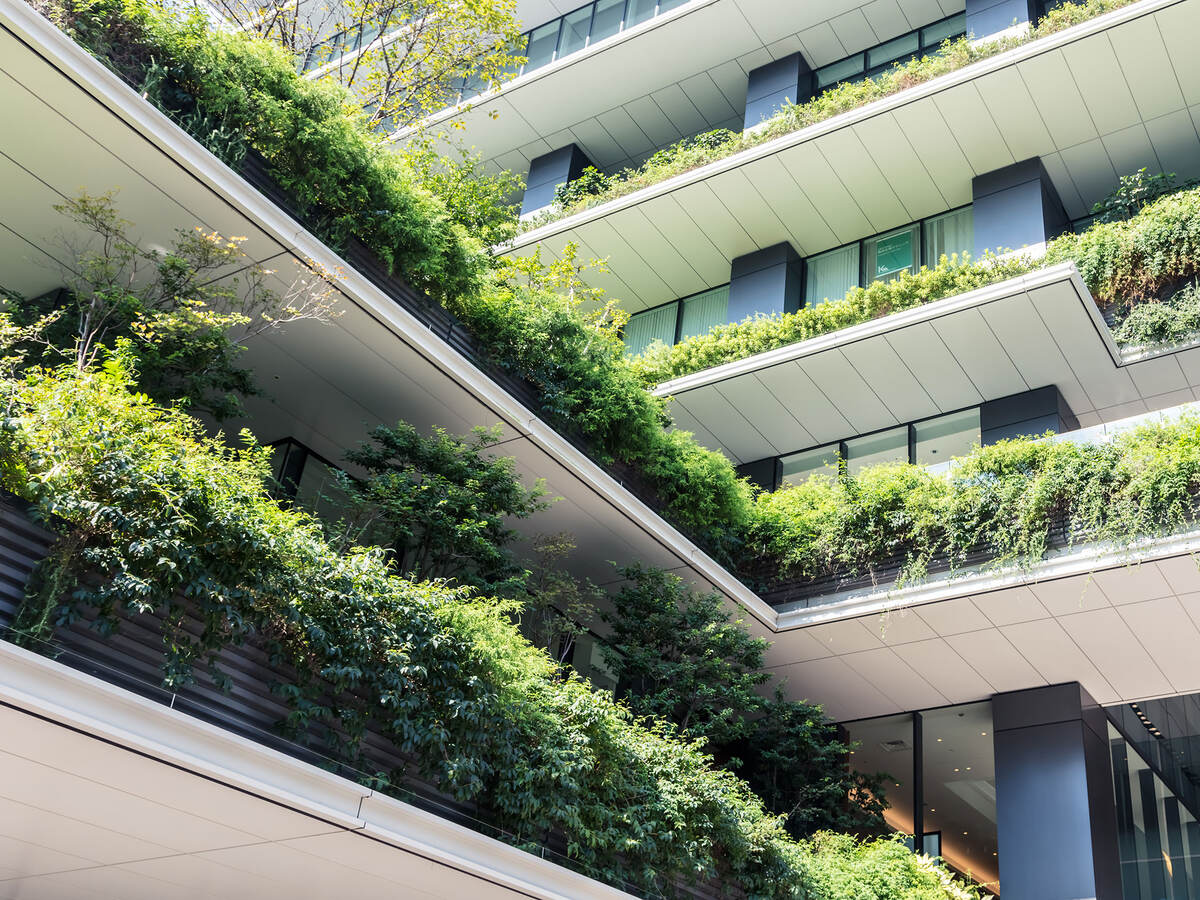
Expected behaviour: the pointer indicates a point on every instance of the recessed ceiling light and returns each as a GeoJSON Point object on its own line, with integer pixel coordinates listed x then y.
{"type": "Point", "coordinates": [956, 770]}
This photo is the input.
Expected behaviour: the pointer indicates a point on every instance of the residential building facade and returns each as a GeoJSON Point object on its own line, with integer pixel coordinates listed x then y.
{"type": "Point", "coordinates": [1042, 724]}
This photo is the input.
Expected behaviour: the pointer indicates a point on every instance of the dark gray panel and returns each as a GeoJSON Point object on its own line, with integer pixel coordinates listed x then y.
{"type": "Point", "coordinates": [1054, 796]}
{"type": "Point", "coordinates": [765, 282]}
{"type": "Point", "coordinates": [1015, 207]}
{"type": "Point", "coordinates": [765, 473]}
{"type": "Point", "coordinates": [547, 172]}
{"type": "Point", "coordinates": [770, 86]}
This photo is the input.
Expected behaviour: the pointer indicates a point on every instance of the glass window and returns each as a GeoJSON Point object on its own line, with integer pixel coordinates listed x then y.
{"type": "Point", "coordinates": [702, 312]}
{"type": "Point", "coordinates": [542, 43]}
{"type": "Point", "coordinates": [959, 797]}
{"type": "Point", "coordinates": [884, 447]}
{"type": "Point", "coordinates": [664, 5]}
{"type": "Point", "coordinates": [1158, 837]}
{"type": "Point", "coordinates": [574, 31]}
{"type": "Point", "coordinates": [949, 234]}
{"type": "Point", "coordinates": [839, 71]}
{"type": "Point", "coordinates": [954, 27]}
{"type": "Point", "coordinates": [644, 328]}
{"type": "Point", "coordinates": [940, 439]}
{"type": "Point", "coordinates": [887, 256]}
{"type": "Point", "coordinates": [607, 20]}
{"type": "Point", "coordinates": [886, 745]}
{"type": "Point", "coordinates": [639, 11]}
{"type": "Point", "coordinates": [896, 49]}
{"type": "Point", "coordinates": [830, 275]}
{"type": "Point", "coordinates": [799, 467]}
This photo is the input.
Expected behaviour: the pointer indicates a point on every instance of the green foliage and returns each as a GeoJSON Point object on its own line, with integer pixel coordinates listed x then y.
{"type": "Point", "coordinates": [1132, 194]}
{"type": "Point", "coordinates": [679, 657]}
{"type": "Point", "coordinates": [440, 504]}
{"type": "Point", "coordinates": [692, 153]}
{"type": "Point", "coordinates": [1146, 257]}
{"type": "Point", "coordinates": [1002, 499]}
{"type": "Point", "coordinates": [757, 334]}
{"type": "Point", "coordinates": [312, 134]}
{"type": "Point", "coordinates": [482, 202]}
{"type": "Point", "coordinates": [184, 323]}
{"type": "Point", "coordinates": [1175, 319]}
{"type": "Point", "coordinates": [849, 870]}
{"type": "Point", "coordinates": [173, 522]}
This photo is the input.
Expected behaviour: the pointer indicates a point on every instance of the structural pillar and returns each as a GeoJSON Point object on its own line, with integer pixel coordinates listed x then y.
{"type": "Point", "coordinates": [547, 172]}
{"type": "Point", "coordinates": [765, 282]}
{"type": "Point", "coordinates": [1056, 817]}
{"type": "Point", "coordinates": [1016, 207]}
{"type": "Point", "coordinates": [772, 85]}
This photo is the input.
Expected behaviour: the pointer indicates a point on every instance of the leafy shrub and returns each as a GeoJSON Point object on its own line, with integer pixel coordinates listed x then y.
{"type": "Point", "coordinates": [312, 134]}
{"type": "Point", "coordinates": [757, 334]}
{"type": "Point", "coordinates": [1002, 499]}
{"type": "Point", "coordinates": [1175, 319]}
{"type": "Point", "coordinates": [692, 153]}
{"type": "Point", "coordinates": [441, 504]}
{"type": "Point", "coordinates": [175, 521]}
{"type": "Point", "coordinates": [1132, 194]}
{"type": "Point", "coordinates": [680, 657]}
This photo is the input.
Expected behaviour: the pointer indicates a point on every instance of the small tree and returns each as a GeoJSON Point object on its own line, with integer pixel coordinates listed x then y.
{"type": "Point", "coordinates": [680, 657]}
{"type": "Point", "coordinates": [1132, 194]}
{"type": "Point", "coordinates": [186, 311]}
{"type": "Point", "coordinates": [441, 504]}
{"type": "Point", "coordinates": [558, 607]}
{"type": "Point", "coordinates": [403, 58]}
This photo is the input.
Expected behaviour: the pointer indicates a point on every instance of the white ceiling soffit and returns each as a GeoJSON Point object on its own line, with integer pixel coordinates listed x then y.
{"type": "Point", "coordinates": [1104, 98]}
{"type": "Point", "coordinates": [82, 129]}
{"type": "Point", "coordinates": [670, 77]}
{"type": "Point", "coordinates": [106, 795]}
{"type": "Point", "coordinates": [1024, 333]}
{"type": "Point", "coordinates": [1121, 621]}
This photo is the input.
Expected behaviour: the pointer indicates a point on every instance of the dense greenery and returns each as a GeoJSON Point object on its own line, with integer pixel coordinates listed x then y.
{"type": "Point", "coordinates": [680, 657]}
{"type": "Point", "coordinates": [1126, 261]}
{"type": "Point", "coordinates": [185, 323]}
{"type": "Point", "coordinates": [312, 134]}
{"type": "Point", "coordinates": [178, 523]}
{"type": "Point", "coordinates": [1002, 499]}
{"type": "Point", "coordinates": [596, 188]}
{"type": "Point", "coordinates": [441, 504]}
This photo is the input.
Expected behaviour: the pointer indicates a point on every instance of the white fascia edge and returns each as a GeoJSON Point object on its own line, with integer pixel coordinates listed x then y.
{"type": "Point", "coordinates": [1083, 560]}
{"type": "Point", "coordinates": [553, 68]}
{"type": "Point", "coordinates": [846, 119]}
{"type": "Point", "coordinates": [125, 103]}
{"type": "Point", "coordinates": [1056, 274]}
{"type": "Point", "coordinates": [53, 691]}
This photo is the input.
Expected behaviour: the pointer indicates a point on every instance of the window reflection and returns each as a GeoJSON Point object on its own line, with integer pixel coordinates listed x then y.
{"type": "Point", "coordinates": [959, 787]}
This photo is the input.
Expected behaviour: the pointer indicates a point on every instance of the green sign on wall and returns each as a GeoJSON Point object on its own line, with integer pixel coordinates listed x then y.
{"type": "Point", "coordinates": [893, 254]}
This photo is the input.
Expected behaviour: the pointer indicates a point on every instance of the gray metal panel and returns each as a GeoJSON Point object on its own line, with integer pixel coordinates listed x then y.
{"type": "Point", "coordinates": [1054, 797]}
{"type": "Point", "coordinates": [1014, 207]}
{"type": "Point", "coordinates": [765, 282]}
